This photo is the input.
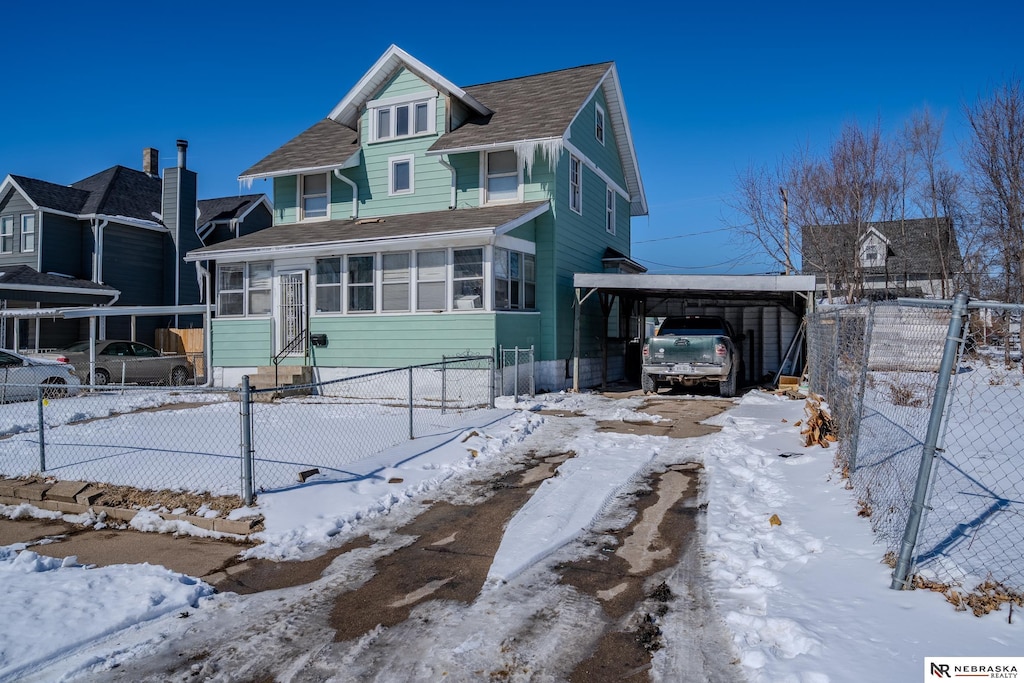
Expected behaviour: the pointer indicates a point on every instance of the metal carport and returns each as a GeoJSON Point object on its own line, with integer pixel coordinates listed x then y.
{"type": "Point", "coordinates": [768, 308]}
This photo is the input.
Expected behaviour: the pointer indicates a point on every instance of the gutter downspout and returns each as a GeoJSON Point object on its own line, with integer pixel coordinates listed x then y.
{"type": "Point", "coordinates": [97, 264]}
{"type": "Point", "coordinates": [204, 272]}
{"type": "Point", "coordinates": [451, 169]}
{"type": "Point", "coordinates": [355, 191]}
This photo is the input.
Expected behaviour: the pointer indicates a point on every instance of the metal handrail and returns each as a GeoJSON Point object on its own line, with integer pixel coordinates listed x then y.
{"type": "Point", "coordinates": [293, 343]}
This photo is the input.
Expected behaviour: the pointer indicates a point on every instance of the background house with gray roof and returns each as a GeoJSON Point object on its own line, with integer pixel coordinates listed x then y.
{"type": "Point", "coordinates": [115, 238]}
{"type": "Point", "coordinates": [422, 219]}
{"type": "Point", "coordinates": [912, 257]}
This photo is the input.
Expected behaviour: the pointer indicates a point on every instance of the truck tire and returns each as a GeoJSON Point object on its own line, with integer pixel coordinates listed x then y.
{"type": "Point", "coordinates": [648, 383]}
{"type": "Point", "coordinates": [727, 388]}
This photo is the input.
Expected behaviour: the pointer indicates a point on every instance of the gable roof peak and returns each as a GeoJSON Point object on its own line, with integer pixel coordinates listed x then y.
{"type": "Point", "coordinates": [346, 111]}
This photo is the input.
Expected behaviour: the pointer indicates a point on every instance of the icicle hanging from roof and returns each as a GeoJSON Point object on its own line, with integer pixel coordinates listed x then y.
{"type": "Point", "coordinates": [245, 184]}
{"type": "Point", "coordinates": [550, 149]}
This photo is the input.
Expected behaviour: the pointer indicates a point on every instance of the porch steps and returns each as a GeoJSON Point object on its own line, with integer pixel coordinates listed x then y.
{"type": "Point", "coordinates": [287, 376]}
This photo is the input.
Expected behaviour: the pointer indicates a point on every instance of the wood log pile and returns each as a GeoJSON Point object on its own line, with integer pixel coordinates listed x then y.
{"type": "Point", "coordinates": [818, 427]}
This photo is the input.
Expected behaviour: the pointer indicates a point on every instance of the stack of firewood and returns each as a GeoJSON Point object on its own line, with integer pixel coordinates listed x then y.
{"type": "Point", "coordinates": [819, 427]}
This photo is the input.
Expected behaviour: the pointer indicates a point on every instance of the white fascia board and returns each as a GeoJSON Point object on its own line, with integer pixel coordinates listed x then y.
{"type": "Point", "coordinates": [347, 110]}
{"type": "Point", "coordinates": [516, 244]}
{"type": "Point", "coordinates": [587, 99]}
{"type": "Point", "coordinates": [117, 311]}
{"type": "Point", "coordinates": [402, 99]}
{"type": "Point", "coordinates": [873, 231]}
{"type": "Point", "coordinates": [11, 182]}
{"type": "Point", "coordinates": [491, 146]}
{"type": "Point", "coordinates": [627, 135]}
{"type": "Point", "coordinates": [317, 248]}
{"type": "Point", "coordinates": [594, 167]}
{"type": "Point", "coordinates": [126, 220]}
{"type": "Point", "coordinates": [351, 162]}
{"type": "Point", "coordinates": [720, 283]}
{"type": "Point", "coordinates": [525, 218]}
{"type": "Point", "coordinates": [263, 200]}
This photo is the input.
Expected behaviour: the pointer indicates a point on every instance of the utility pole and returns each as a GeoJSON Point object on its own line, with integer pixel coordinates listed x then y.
{"type": "Point", "coordinates": [785, 226]}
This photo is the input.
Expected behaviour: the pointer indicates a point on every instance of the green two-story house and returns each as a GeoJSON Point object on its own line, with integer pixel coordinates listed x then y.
{"type": "Point", "coordinates": [422, 219]}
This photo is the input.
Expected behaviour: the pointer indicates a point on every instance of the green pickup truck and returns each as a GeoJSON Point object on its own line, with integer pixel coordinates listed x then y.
{"type": "Point", "coordinates": [691, 350]}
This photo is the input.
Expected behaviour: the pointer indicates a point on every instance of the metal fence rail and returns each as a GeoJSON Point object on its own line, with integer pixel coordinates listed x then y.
{"type": "Point", "coordinates": [516, 372]}
{"type": "Point", "coordinates": [930, 437]}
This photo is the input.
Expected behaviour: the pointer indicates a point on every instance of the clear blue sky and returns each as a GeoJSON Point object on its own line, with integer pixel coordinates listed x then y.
{"type": "Point", "coordinates": [708, 89]}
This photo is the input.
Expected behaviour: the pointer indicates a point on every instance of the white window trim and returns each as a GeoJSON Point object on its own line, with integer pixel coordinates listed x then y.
{"type": "Point", "coordinates": [445, 281]}
{"type": "Point", "coordinates": [411, 158]}
{"type": "Point", "coordinates": [34, 232]}
{"type": "Point", "coordinates": [600, 123]}
{"type": "Point", "coordinates": [609, 208]}
{"type": "Point", "coordinates": [316, 285]}
{"type": "Point", "coordinates": [7, 235]}
{"type": "Point", "coordinates": [408, 282]}
{"type": "Point", "coordinates": [300, 195]}
{"type": "Point", "coordinates": [246, 288]}
{"type": "Point", "coordinates": [578, 194]}
{"type": "Point", "coordinates": [374, 283]}
{"type": "Point", "coordinates": [392, 103]}
{"type": "Point", "coordinates": [484, 198]}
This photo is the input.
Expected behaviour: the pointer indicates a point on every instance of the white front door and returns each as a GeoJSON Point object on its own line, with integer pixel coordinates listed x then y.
{"type": "Point", "coordinates": [292, 315]}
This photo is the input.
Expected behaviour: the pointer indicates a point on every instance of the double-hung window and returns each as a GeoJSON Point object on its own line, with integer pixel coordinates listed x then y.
{"type": "Point", "coordinates": [6, 234]}
{"type": "Point", "coordinates": [599, 123]}
{"type": "Point", "coordinates": [502, 171]}
{"type": "Point", "coordinates": [468, 279]}
{"type": "Point", "coordinates": [231, 289]}
{"type": "Point", "coordinates": [575, 184]}
{"type": "Point", "coordinates": [395, 281]}
{"type": "Point", "coordinates": [609, 221]}
{"type": "Point", "coordinates": [514, 280]}
{"type": "Point", "coordinates": [28, 232]}
{"type": "Point", "coordinates": [431, 273]}
{"type": "Point", "coordinates": [360, 283]}
{"type": "Point", "coordinates": [402, 120]}
{"type": "Point", "coordinates": [259, 284]}
{"type": "Point", "coordinates": [328, 285]}
{"type": "Point", "coordinates": [400, 175]}
{"type": "Point", "coordinates": [314, 196]}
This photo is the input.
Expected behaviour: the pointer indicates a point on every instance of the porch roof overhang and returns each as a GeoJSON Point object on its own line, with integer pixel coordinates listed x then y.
{"type": "Point", "coordinates": [102, 311]}
{"type": "Point", "coordinates": [739, 287]}
{"type": "Point", "coordinates": [317, 237]}
{"type": "Point", "coordinates": [22, 283]}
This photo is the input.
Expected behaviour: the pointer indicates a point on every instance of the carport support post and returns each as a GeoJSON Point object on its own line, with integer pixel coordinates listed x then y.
{"type": "Point", "coordinates": [42, 432]}
{"type": "Point", "coordinates": [931, 438]}
{"type": "Point", "coordinates": [245, 405]}
{"type": "Point", "coordinates": [576, 342]}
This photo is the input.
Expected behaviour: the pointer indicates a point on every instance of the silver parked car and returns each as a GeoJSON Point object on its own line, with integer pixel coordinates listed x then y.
{"type": "Point", "coordinates": [20, 377]}
{"type": "Point", "coordinates": [128, 361]}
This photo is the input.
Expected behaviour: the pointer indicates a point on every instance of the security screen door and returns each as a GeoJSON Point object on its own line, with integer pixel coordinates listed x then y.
{"type": "Point", "coordinates": [293, 312]}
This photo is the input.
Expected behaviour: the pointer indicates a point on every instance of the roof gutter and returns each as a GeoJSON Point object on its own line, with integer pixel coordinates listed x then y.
{"type": "Point", "coordinates": [508, 144]}
{"type": "Point", "coordinates": [355, 191]}
{"type": "Point", "coordinates": [451, 169]}
{"type": "Point", "coordinates": [350, 162]}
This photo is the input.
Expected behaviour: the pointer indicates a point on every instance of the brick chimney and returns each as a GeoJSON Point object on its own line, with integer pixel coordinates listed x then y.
{"type": "Point", "coordinates": [151, 162]}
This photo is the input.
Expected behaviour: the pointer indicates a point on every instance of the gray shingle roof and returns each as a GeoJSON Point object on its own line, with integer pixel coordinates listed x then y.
{"type": "Point", "coordinates": [527, 108]}
{"type": "Point", "coordinates": [24, 275]}
{"type": "Point", "coordinates": [326, 232]}
{"type": "Point", "coordinates": [916, 246]}
{"type": "Point", "coordinates": [225, 208]}
{"type": "Point", "coordinates": [120, 191]}
{"type": "Point", "coordinates": [52, 196]}
{"type": "Point", "coordinates": [327, 143]}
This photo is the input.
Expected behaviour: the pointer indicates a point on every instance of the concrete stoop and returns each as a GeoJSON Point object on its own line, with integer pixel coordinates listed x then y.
{"type": "Point", "coordinates": [76, 498]}
{"type": "Point", "coordinates": [286, 376]}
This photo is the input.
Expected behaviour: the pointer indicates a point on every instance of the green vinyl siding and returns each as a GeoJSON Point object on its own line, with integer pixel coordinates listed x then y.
{"type": "Point", "coordinates": [286, 209]}
{"type": "Point", "coordinates": [467, 179]}
{"type": "Point", "coordinates": [241, 343]}
{"type": "Point", "coordinates": [396, 341]}
{"type": "Point", "coordinates": [403, 83]}
{"type": "Point", "coordinates": [606, 156]}
{"type": "Point", "coordinates": [518, 329]}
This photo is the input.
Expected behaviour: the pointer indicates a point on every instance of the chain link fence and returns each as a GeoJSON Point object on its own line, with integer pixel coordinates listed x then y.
{"type": "Point", "coordinates": [930, 429]}
{"type": "Point", "coordinates": [516, 372]}
{"type": "Point", "coordinates": [217, 442]}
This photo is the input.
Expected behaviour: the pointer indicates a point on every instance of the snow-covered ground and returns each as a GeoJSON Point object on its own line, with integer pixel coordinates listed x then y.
{"type": "Point", "coordinates": [806, 600]}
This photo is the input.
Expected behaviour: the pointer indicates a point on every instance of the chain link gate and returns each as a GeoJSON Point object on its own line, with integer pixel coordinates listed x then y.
{"type": "Point", "coordinates": [516, 368]}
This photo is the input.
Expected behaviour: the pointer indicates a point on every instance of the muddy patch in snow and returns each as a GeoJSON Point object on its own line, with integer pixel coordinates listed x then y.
{"type": "Point", "coordinates": [621, 574]}
{"type": "Point", "coordinates": [449, 559]}
{"type": "Point", "coordinates": [682, 418]}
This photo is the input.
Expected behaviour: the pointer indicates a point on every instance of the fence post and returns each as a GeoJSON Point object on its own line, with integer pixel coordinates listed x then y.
{"type": "Point", "coordinates": [858, 414]}
{"type": "Point", "coordinates": [492, 366]}
{"type": "Point", "coordinates": [533, 370]}
{"type": "Point", "coordinates": [245, 405]}
{"type": "Point", "coordinates": [411, 434]}
{"type": "Point", "coordinates": [42, 432]}
{"type": "Point", "coordinates": [949, 354]}
{"type": "Point", "coordinates": [444, 382]}
{"type": "Point", "coordinates": [515, 376]}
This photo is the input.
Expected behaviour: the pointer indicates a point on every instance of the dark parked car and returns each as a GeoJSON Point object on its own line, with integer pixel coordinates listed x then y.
{"type": "Point", "coordinates": [128, 361]}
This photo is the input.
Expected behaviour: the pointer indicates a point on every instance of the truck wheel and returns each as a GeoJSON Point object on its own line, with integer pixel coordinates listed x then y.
{"type": "Point", "coordinates": [648, 383]}
{"type": "Point", "coordinates": [727, 389]}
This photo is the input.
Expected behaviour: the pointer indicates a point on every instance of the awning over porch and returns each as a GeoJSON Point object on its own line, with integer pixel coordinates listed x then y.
{"type": "Point", "coordinates": [25, 284]}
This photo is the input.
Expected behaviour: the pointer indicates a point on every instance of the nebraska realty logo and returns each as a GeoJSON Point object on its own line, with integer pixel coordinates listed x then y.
{"type": "Point", "coordinates": [991, 668]}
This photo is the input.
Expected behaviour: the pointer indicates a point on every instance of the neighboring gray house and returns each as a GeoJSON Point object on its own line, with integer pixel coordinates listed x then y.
{"type": "Point", "coordinates": [915, 257]}
{"type": "Point", "coordinates": [115, 238]}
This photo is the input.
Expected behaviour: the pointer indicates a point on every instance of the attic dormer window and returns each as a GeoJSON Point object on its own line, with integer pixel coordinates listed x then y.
{"type": "Point", "coordinates": [872, 252]}
{"type": "Point", "coordinates": [390, 119]}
